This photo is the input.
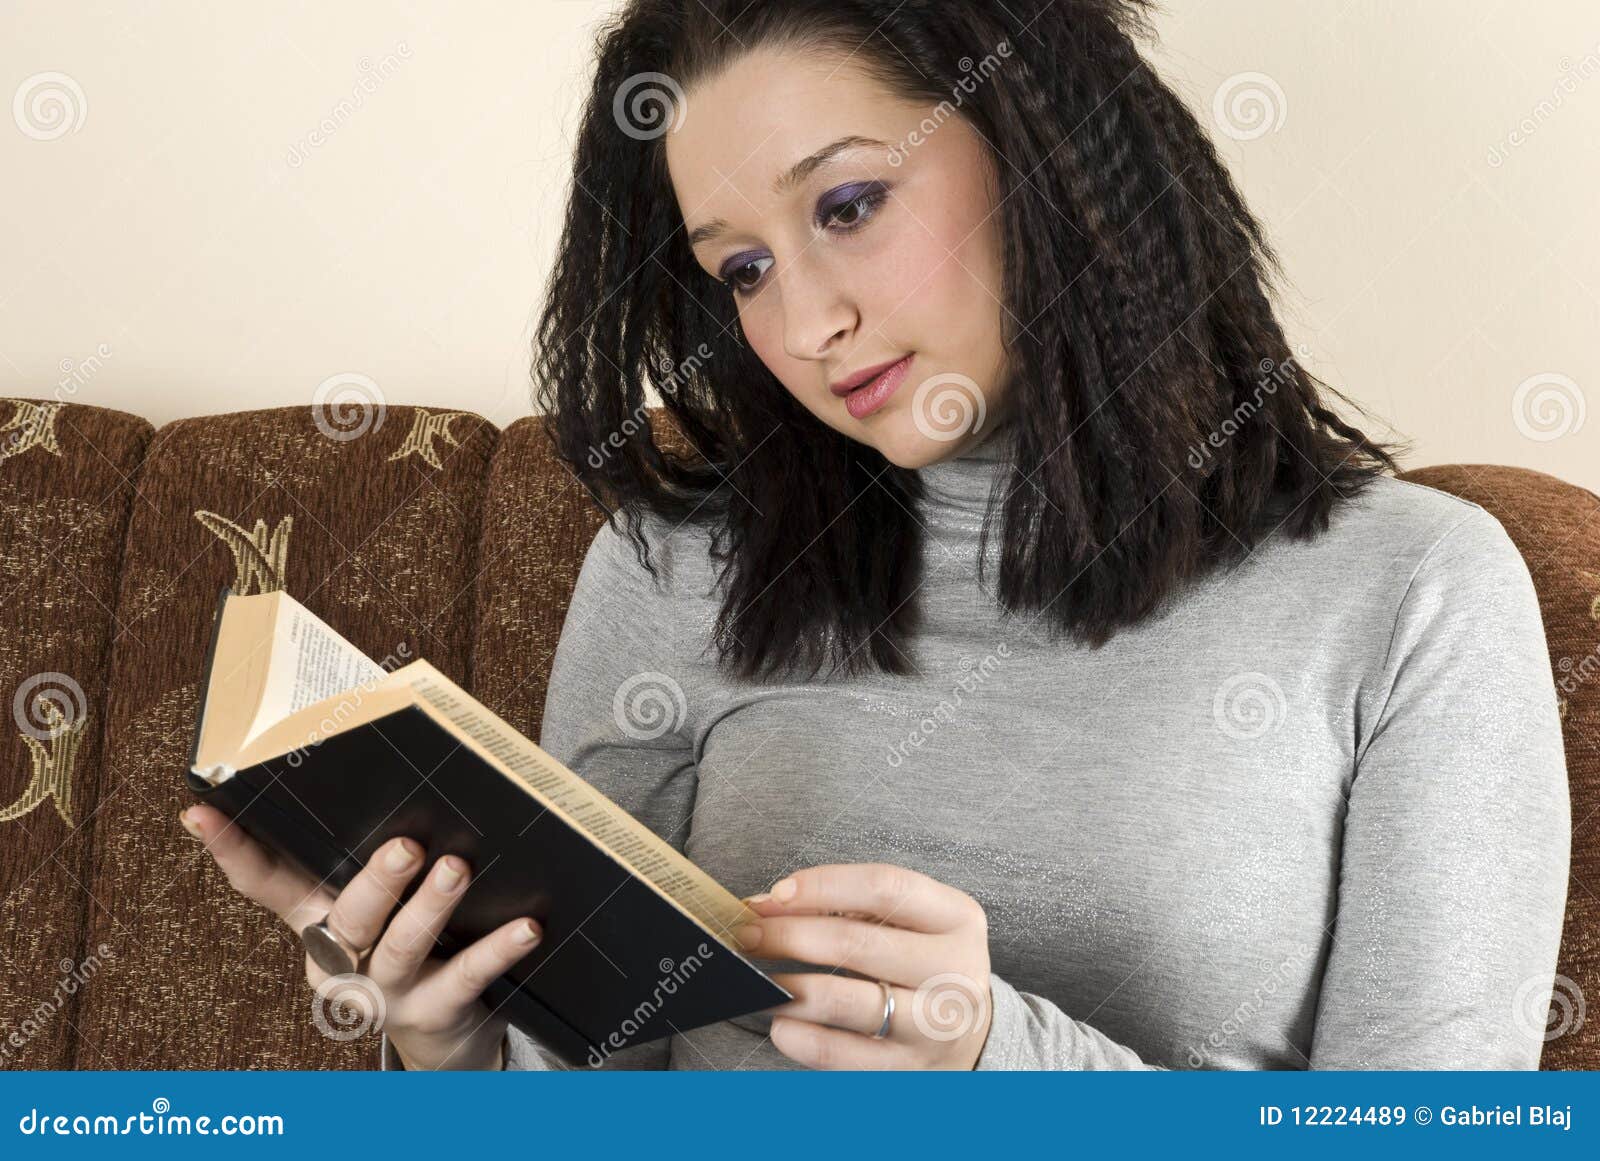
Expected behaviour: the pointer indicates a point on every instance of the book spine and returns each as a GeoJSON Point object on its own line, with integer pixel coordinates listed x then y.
{"type": "Point", "coordinates": [205, 684]}
{"type": "Point", "coordinates": [256, 814]}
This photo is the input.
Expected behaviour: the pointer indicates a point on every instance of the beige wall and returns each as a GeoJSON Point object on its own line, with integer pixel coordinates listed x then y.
{"type": "Point", "coordinates": [182, 244]}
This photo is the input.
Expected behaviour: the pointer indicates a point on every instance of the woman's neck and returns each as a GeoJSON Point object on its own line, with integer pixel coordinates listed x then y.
{"type": "Point", "coordinates": [960, 484]}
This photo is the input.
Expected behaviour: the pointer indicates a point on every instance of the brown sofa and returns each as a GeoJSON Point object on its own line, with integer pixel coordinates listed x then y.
{"type": "Point", "coordinates": [121, 944]}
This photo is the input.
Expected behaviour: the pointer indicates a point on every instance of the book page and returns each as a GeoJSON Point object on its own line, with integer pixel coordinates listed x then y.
{"type": "Point", "coordinates": [310, 662]}
{"type": "Point", "coordinates": [236, 674]}
{"type": "Point", "coordinates": [626, 837]}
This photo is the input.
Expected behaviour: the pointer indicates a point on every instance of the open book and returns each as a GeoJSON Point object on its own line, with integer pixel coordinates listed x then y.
{"type": "Point", "coordinates": [323, 754]}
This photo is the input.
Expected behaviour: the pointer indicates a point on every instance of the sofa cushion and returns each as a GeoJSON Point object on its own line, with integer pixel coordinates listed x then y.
{"type": "Point", "coordinates": [66, 486]}
{"type": "Point", "coordinates": [375, 533]}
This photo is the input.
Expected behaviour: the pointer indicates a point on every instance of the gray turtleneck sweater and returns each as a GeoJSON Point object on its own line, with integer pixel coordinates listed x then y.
{"type": "Point", "coordinates": [1312, 815]}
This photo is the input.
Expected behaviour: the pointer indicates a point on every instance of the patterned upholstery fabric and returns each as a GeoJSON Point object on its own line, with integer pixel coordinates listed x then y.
{"type": "Point", "coordinates": [373, 537]}
{"type": "Point", "coordinates": [66, 487]}
{"type": "Point", "coordinates": [428, 534]}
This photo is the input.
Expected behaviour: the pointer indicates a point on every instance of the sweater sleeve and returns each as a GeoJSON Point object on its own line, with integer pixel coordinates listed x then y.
{"type": "Point", "coordinates": [1457, 836]}
{"type": "Point", "coordinates": [1029, 1032]}
{"type": "Point", "coordinates": [1453, 875]}
{"type": "Point", "coordinates": [616, 715]}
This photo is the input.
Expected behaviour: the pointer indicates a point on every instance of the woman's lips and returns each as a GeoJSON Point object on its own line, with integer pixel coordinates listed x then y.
{"type": "Point", "coordinates": [870, 396]}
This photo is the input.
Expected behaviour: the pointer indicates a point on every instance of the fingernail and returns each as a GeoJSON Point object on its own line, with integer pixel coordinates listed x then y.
{"type": "Point", "coordinates": [784, 889]}
{"type": "Point", "coordinates": [188, 823]}
{"type": "Point", "coordinates": [761, 898]}
{"type": "Point", "coordinates": [400, 857]}
{"type": "Point", "coordinates": [749, 935]}
{"type": "Point", "coordinates": [446, 877]}
{"type": "Point", "coordinates": [527, 933]}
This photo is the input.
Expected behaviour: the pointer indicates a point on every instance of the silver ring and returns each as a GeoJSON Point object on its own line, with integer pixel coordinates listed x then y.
{"type": "Point", "coordinates": [888, 1011]}
{"type": "Point", "coordinates": [329, 950]}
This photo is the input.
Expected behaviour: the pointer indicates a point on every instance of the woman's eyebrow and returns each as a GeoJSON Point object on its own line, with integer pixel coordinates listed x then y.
{"type": "Point", "coordinates": [796, 174]}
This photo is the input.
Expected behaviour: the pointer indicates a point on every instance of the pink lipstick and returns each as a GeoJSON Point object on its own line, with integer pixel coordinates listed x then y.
{"type": "Point", "coordinates": [864, 400]}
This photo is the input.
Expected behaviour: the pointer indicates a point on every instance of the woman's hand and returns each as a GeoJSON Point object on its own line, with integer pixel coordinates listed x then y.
{"type": "Point", "coordinates": [927, 940]}
{"type": "Point", "coordinates": [431, 1008]}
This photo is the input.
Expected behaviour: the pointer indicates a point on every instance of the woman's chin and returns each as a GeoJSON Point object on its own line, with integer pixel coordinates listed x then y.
{"type": "Point", "coordinates": [903, 444]}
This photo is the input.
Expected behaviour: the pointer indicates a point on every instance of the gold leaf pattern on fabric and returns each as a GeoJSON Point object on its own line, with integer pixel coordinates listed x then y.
{"type": "Point", "coordinates": [425, 425]}
{"type": "Point", "coordinates": [258, 556]}
{"type": "Point", "coordinates": [53, 758]}
{"type": "Point", "coordinates": [34, 425]}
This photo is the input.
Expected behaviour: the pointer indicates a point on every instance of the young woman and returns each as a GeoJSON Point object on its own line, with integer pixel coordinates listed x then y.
{"type": "Point", "coordinates": [1072, 686]}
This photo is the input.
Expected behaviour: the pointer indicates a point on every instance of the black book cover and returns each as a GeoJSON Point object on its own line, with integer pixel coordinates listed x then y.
{"type": "Point", "coordinates": [618, 965]}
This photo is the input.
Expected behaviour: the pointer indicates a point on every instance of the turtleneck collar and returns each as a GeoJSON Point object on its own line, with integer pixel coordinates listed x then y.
{"type": "Point", "coordinates": [960, 484]}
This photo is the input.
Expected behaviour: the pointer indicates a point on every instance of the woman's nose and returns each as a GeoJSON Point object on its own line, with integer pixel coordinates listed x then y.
{"type": "Point", "coordinates": [817, 312]}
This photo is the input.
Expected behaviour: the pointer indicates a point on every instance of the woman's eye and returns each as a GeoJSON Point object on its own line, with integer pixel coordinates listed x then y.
{"type": "Point", "coordinates": [850, 216]}
{"type": "Point", "coordinates": [740, 285]}
{"type": "Point", "coordinates": [864, 204]}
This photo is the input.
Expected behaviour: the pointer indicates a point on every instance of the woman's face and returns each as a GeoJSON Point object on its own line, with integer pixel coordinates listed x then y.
{"type": "Point", "coordinates": [859, 262]}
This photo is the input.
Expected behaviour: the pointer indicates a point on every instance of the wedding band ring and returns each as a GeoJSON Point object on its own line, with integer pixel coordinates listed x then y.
{"type": "Point", "coordinates": [888, 1011]}
{"type": "Point", "coordinates": [329, 950]}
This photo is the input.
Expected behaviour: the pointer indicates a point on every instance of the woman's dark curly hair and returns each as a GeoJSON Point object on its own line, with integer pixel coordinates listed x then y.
{"type": "Point", "coordinates": [1168, 428]}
